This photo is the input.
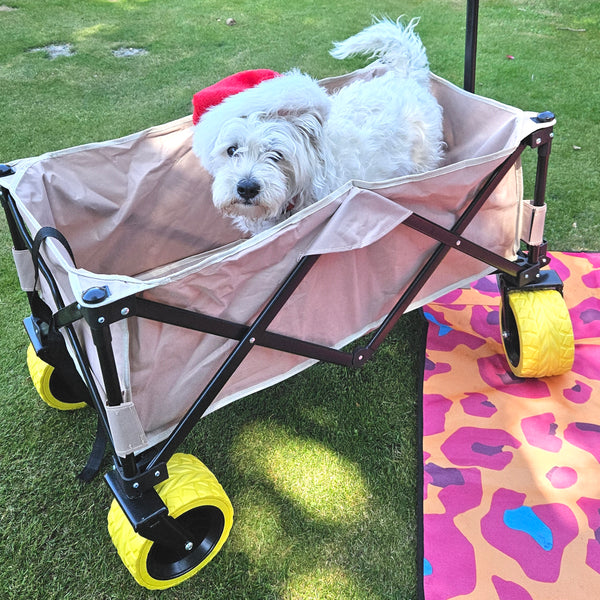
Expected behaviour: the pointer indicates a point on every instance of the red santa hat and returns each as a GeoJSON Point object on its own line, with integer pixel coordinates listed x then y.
{"type": "Point", "coordinates": [216, 93]}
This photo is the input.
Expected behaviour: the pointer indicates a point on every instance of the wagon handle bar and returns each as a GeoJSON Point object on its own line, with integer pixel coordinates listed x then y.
{"type": "Point", "coordinates": [471, 45]}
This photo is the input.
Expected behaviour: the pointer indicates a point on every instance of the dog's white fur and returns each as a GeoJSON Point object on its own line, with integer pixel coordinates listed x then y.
{"type": "Point", "coordinates": [286, 143]}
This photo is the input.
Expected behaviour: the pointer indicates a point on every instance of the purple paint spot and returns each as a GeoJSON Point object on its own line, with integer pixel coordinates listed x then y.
{"type": "Point", "coordinates": [485, 449]}
{"type": "Point", "coordinates": [443, 477]}
{"type": "Point", "coordinates": [493, 318]}
{"type": "Point", "coordinates": [487, 285]}
{"type": "Point", "coordinates": [590, 315]}
{"type": "Point", "coordinates": [588, 427]}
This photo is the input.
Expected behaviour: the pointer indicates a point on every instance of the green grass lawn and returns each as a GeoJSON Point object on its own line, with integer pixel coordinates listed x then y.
{"type": "Point", "coordinates": [321, 469]}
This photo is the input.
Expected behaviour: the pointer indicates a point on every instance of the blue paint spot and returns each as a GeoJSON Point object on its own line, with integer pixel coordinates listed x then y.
{"type": "Point", "coordinates": [524, 519]}
{"type": "Point", "coordinates": [444, 329]}
{"type": "Point", "coordinates": [427, 568]}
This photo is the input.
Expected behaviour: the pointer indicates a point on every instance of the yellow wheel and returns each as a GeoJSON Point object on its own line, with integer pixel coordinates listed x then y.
{"type": "Point", "coordinates": [49, 384]}
{"type": "Point", "coordinates": [195, 498]}
{"type": "Point", "coordinates": [538, 334]}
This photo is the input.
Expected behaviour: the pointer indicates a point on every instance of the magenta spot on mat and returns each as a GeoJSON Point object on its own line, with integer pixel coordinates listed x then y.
{"type": "Point", "coordinates": [495, 372]}
{"type": "Point", "coordinates": [485, 323]}
{"type": "Point", "coordinates": [585, 436]}
{"type": "Point", "coordinates": [435, 369]}
{"type": "Point", "coordinates": [445, 546]}
{"type": "Point", "coordinates": [451, 338]}
{"type": "Point", "coordinates": [508, 590]}
{"type": "Point", "coordinates": [591, 508]}
{"type": "Point", "coordinates": [443, 540]}
{"type": "Point", "coordinates": [592, 558]}
{"type": "Point", "coordinates": [562, 477]}
{"type": "Point", "coordinates": [586, 319]}
{"type": "Point", "coordinates": [591, 257]}
{"type": "Point", "coordinates": [450, 298]}
{"type": "Point", "coordinates": [540, 431]}
{"type": "Point", "coordinates": [592, 280]}
{"type": "Point", "coordinates": [478, 405]}
{"type": "Point", "coordinates": [487, 285]}
{"type": "Point", "coordinates": [472, 446]}
{"type": "Point", "coordinates": [587, 361]}
{"type": "Point", "coordinates": [537, 563]}
{"type": "Point", "coordinates": [557, 265]}
{"type": "Point", "coordinates": [580, 393]}
{"type": "Point", "coordinates": [444, 476]}
{"type": "Point", "coordinates": [435, 407]}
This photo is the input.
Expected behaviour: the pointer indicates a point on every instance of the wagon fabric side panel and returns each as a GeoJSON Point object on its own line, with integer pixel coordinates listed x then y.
{"type": "Point", "coordinates": [139, 216]}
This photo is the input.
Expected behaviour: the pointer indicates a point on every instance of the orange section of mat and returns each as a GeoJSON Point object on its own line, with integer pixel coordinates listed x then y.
{"type": "Point", "coordinates": [511, 498]}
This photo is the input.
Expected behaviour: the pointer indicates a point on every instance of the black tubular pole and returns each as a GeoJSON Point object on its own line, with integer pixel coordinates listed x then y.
{"type": "Point", "coordinates": [471, 45]}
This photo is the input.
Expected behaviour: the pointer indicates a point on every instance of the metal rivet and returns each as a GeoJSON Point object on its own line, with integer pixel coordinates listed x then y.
{"type": "Point", "coordinates": [552, 135]}
{"type": "Point", "coordinates": [101, 320]}
{"type": "Point", "coordinates": [458, 242]}
{"type": "Point", "coordinates": [538, 141]}
{"type": "Point", "coordinates": [189, 546]}
{"type": "Point", "coordinates": [360, 357]}
{"type": "Point", "coordinates": [252, 340]}
{"type": "Point", "coordinates": [125, 311]}
{"type": "Point", "coordinates": [136, 485]}
{"type": "Point", "coordinates": [156, 473]}
{"type": "Point", "coordinates": [526, 276]}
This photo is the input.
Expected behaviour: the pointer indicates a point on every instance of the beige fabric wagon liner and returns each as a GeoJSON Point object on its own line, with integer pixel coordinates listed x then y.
{"type": "Point", "coordinates": [137, 212]}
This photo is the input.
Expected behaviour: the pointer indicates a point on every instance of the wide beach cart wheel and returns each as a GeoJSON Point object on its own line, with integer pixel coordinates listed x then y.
{"type": "Point", "coordinates": [193, 497]}
{"type": "Point", "coordinates": [537, 333]}
{"type": "Point", "coordinates": [49, 384]}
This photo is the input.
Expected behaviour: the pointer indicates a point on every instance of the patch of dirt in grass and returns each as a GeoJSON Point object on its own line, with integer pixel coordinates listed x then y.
{"type": "Point", "coordinates": [124, 52]}
{"type": "Point", "coordinates": [55, 50]}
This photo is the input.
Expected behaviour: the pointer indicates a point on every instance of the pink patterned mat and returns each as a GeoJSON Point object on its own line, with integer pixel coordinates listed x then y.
{"type": "Point", "coordinates": [511, 494]}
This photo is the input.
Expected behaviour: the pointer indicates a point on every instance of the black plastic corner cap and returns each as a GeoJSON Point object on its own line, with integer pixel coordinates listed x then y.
{"type": "Point", "coordinates": [6, 170]}
{"type": "Point", "coordinates": [545, 117]}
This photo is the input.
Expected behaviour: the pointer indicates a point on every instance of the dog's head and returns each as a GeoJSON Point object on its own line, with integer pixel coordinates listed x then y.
{"type": "Point", "coordinates": [263, 148]}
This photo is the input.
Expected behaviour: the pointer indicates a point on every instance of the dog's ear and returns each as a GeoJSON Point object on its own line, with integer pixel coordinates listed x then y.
{"type": "Point", "coordinates": [309, 124]}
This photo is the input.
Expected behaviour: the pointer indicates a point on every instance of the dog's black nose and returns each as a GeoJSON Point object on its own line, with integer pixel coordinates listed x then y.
{"type": "Point", "coordinates": [248, 188]}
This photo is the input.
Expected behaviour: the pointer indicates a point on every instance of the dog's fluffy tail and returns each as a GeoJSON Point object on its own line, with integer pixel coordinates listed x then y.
{"type": "Point", "coordinates": [392, 43]}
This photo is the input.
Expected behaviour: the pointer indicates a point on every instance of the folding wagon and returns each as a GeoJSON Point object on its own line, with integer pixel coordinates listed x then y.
{"type": "Point", "coordinates": [147, 305]}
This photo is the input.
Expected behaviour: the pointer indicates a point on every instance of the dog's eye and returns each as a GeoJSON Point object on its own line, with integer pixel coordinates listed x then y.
{"type": "Point", "coordinates": [275, 156]}
{"type": "Point", "coordinates": [231, 150]}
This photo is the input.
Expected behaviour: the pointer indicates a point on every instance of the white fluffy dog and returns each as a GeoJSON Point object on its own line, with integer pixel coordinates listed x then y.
{"type": "Point", "coordinates": [286, 143]}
